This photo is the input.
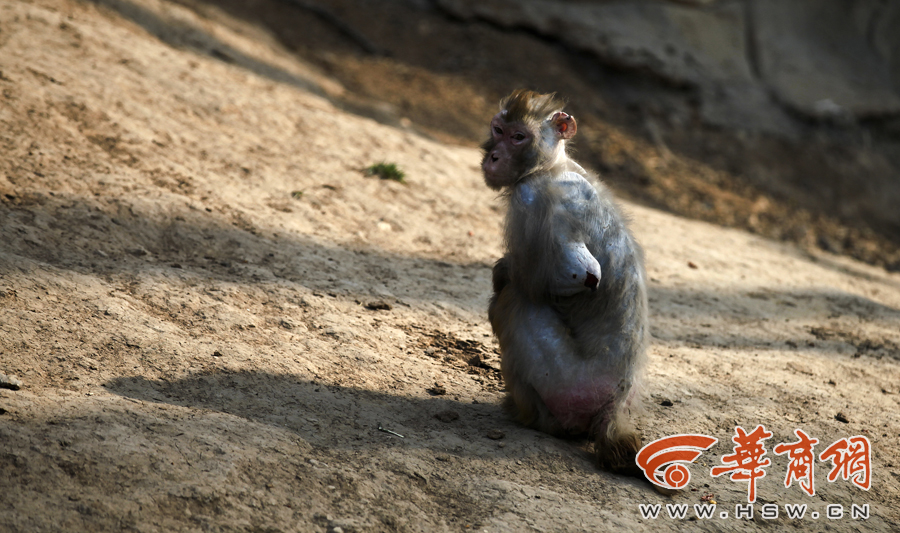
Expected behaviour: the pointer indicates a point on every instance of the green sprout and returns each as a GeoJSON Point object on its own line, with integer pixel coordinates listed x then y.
{"type": "Point", "coordinates": [297, 195]}
{"type": "Point", "coordinates": [386, 171]}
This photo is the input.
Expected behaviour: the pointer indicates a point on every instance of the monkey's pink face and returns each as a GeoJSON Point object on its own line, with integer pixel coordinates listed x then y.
{"type": "Point", "coordinates": [515, 148]}
{"type": "Point", "coordinates": [505, 152]}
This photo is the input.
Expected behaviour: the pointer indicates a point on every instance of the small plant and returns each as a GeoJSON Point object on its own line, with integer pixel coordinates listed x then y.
{"type": "Point", "coordinates": [297, 195]}
{"type": "Point", "coordinates": [386, 171]}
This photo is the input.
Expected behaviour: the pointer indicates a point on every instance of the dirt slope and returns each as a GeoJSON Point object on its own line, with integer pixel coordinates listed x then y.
{"type": "Point", "coordinates": [212, 310]}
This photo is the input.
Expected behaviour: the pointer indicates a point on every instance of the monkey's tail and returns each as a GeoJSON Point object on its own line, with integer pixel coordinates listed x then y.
{"type": "Point", "coordinates": [617, 441]}
{"type": "Point", "coordinates": [615, 450]}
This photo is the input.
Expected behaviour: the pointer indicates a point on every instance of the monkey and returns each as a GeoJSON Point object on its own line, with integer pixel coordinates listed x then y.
{"type": "Point", "coordinates": [569, 303]}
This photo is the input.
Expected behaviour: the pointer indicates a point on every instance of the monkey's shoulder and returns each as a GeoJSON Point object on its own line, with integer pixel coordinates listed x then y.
{"type": "Point", "coordinates": [576, 195]}
{"type": "Point", "coordinates": [575, 187]}
{"type": "Point", "coordinates": [567, 189]}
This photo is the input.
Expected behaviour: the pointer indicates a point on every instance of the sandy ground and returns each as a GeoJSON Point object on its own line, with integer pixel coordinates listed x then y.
{"type": "Point", "coordinates": [212, 309]}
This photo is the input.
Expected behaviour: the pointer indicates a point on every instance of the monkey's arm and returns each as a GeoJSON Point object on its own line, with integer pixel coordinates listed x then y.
{"type": "Point", "coordinates": [547, 232]}
{"type": "Point", "coordinates": [577, 270]}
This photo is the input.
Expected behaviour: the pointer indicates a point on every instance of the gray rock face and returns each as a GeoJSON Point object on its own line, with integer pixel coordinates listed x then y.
{"type": "Point", "coordinates": [830, 59]}
{"type": "Point", "coordinates": [752, 60]}
{"type": "Point", "coordinates": [680, 43]}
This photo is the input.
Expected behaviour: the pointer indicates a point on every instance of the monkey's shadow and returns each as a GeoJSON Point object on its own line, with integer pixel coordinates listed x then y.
{"type": "Point", "coordinates": [347, 418]}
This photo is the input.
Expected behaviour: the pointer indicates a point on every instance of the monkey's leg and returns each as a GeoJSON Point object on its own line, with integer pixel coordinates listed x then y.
{"type": "Point", "coordinates": [536, 351]}
{"type": "Point", "coordinates": [555, 388]}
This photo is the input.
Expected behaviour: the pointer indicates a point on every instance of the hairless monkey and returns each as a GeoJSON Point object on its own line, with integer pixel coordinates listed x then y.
{"type": "Point", "coordinates": [569, 307]}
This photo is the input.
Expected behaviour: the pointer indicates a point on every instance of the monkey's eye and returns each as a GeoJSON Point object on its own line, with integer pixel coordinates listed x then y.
{"type": "Point", "coordinates": [519, 136]}
{"type": "Point", "coordinates": [497, 130]}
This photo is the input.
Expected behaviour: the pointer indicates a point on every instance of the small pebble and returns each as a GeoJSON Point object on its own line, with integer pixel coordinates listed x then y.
{"type": "Point", "coordinates": [9, 382]}
{"type": "Point", "coordinates": [495, 434]}
{"type": "Point", "coordinates": [437, 390]}
{"type": "Point", "coordinates": [447, 416]}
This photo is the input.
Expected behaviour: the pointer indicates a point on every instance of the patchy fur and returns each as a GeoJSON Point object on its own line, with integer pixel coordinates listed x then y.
{"type": "Point", "coordinates": [570, 306]}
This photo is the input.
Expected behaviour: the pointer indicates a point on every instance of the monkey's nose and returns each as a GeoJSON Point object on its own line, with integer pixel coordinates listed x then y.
{"type": "Point", "coordinates": [494, 158]}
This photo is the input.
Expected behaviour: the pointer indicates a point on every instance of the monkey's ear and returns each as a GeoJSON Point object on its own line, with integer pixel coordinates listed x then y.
{"type": "Point", "coordinates": [564, 125]}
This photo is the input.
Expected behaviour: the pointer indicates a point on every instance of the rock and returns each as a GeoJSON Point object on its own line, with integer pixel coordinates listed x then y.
{"type": "Point", "coordinates": [9, 382]}
{"type": "Point", "coordinates": [745, 106]}
{"type": "Point", "coordinates": [750, 60]}
{"type": "Point", "coordinates": [837, 60]}
{"type": "Point", "coordinates": [495, 434]}
{"type": "Point", "coordinates": [437, 390]}
{"type": "Point", "coordinates": [379, 305]}
{"type": "Point", "coordinates": [447, 416]}
{"type": "Point", "coordinates": [680, 43]}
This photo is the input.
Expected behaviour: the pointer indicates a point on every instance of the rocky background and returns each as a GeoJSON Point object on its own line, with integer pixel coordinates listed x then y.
{"type": "Point", "coordinates": [792, 70]}
{"type": "Point", "coordinates": [778, 117]}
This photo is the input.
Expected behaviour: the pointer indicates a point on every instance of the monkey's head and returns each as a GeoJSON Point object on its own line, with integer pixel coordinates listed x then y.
{"type": "Point", "coordinates": [527, 135]}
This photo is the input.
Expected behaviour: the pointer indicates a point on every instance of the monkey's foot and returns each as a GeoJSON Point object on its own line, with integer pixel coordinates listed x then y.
{"type": "Point", "coordinates": [616, 454]}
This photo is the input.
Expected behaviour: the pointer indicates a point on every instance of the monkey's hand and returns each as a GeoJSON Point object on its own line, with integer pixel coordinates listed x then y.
{"type": "Point", "coordinates": [578, 271]}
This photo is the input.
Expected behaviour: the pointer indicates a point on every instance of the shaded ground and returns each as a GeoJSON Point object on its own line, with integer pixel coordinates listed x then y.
{"type": "Point", "coordinates": [213, 310]}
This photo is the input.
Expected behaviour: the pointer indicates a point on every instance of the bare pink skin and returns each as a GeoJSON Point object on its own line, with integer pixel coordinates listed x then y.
{"type": "Point", "coordinates": [579, 406]}
{"type": "Point", "coordinates": [564, 125]}
{"type": "Point", "coordinates": [511, 140]}
{"type": "Point", "coordinates": [576, 408]}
